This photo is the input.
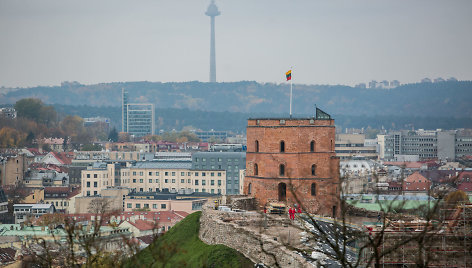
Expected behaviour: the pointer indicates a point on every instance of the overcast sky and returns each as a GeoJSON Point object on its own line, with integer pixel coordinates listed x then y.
{"type": "Point", "coordinates": [44, 42]}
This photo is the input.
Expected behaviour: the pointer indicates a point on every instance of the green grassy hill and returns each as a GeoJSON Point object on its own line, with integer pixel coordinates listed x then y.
{"type": "Point", "coordinates": [181, 247]}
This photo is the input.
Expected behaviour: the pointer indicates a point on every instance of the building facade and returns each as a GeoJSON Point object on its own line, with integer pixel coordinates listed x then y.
{"type": "Point", "coordinates": [211, 135]}
{"type": "Point", "coordinates": [23, 212]}
{"type": "Point", "coordinates": [140, 119]}
{"type": "Point", "coordinates": [137, 118]}
{"type": "Point", "coordinates": [96, 178]}
{"type": "Point", "coordinates": [230, 162]}
{"type": "Point", "coordinates": [162, 202]}
{"type": "Point", "coordinates": [293, 159]}
{"type": "Point", "coordinates": [173, 177]}
{"type": "Point", "coordinates": [13, 168]}
{"type": "Point", "coordinates": [354, 145]}
{"type": "Point", "coordinates": [446, 145]}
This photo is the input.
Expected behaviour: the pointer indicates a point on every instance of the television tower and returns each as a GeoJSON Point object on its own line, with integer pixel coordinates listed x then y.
{"type": "Point", "coordinates": [212, 11]}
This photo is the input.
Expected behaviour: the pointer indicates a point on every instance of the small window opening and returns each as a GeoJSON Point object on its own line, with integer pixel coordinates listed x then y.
{"type": "Point", "coordinates": [282, 170]}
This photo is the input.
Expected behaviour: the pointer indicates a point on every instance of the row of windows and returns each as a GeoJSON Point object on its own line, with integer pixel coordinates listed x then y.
{"type": "Point", "coordinates": [212, 182]}
{"type": "Point", "coordinates": [282, 146]}
{"type": "Point", "coordinates": [214, 160]}
{"type": "Point", "coordinates": [57, 203]}
{"type": "Point", "coordinates": [219, 167]}
{"type": "Point", "coordinates": [464, 144]}
{"type": "Point", "coordinates": [282, 170]}
{"type": "Point", "coordinates": [138, 206]}
{"type": "Point", "coordinates": [173, 189]}
{"type": "Point", "coordinates": [95, 184]}
{"type": "Point", "coordinates": [94, 193]}
{"type": "Point", "coordinates": [96, 176]}
{"type": "Point", "coordinates": [166, 173]}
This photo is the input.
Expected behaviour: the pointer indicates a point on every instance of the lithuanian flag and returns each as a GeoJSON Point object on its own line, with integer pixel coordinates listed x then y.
{"type": "Point", "coordinates": [289, 75]}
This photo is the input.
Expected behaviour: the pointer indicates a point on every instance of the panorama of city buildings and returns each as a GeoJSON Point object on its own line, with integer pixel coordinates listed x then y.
{"type": "Point", "coordinates": [150, 185]}
{"type": "Point", "coordinates": [123, 189]}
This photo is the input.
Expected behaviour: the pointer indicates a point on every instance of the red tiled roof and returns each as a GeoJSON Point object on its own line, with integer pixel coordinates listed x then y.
{"type": "Point", "coordinates": [464, 181]}
{"type": "Point", "coordinates": [56, 190]}
{"type": "Point", "coordinates": [416, 177]}
{"type": "Point", "coordinates": [143, 225]}
{"type": "Point", "coordinates": [148, 239]}
{"type": "Point", "coordinates": [74, 192]}
{"type": "Point", "coordinates": [11, 190]}
{"type": "Point", "coordinates": [438, 175]}
{"type": "Point", "coordinates": [465, 186]}
{"type": "Point", "coordinates": [7, 255]}
{"type": "Point", "coordinates": [35, 151]}
{"type": "Point", "coordinates": [64, 158]}
{"type": "Point", "coordinates": [394, 184]}
{"type": "Point", "coordinates": [464, 175]}
{"type": "Point", "coordinates": [42, 166]}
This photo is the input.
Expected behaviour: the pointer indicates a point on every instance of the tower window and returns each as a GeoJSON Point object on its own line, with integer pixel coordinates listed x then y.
{"type": "Point", "coordinates": [313, 169]}
{"type": "Point", "coordinates": [257, 146]}
{"type": "Point", "coordinates": [313, 189]}
{"type": "Point", "coordinates": [282, 191]}
{"type": "Point", "coordinates": [282, 146]}
{"type": "Point", "coordinates": [256, 169]}
{"type": "Point", "coordinates": [249, 190]}
{"type": "Point", "coordinates": [282, 170]}
{"type": "Point", "coordinates": [312, 146]}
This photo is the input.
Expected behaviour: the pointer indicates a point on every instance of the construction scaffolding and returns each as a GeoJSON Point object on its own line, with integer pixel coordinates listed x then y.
{"type": "Point", "coordinates": [446, 242]}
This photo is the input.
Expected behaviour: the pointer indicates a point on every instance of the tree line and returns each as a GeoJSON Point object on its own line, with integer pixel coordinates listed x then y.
{"type": "Point", "coordinates": [36, 120]}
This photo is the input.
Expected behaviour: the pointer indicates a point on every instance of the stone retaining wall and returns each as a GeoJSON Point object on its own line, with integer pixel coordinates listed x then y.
{"type": "Point", "coordinates": [242, 202]}
{"type": "Point", "coordinates": [240, 232]}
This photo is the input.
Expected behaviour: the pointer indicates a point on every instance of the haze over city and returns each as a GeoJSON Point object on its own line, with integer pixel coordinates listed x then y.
{"type": "Point", "coordinates": [326, 42]}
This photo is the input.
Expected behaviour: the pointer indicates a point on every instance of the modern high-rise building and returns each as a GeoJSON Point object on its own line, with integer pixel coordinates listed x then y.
{"type": "Point", "coordinates": [427, 144]}
{"type": "Point", "coordinates": [140, 119]}
{"type": "Point", "coordinates": [124, 110]}
{"type": "Point", "coordinates": [137, 118]}
{"type": "Point", "coordinates": [212, 12]}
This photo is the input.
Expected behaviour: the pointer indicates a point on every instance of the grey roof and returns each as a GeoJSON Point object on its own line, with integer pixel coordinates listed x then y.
{"type": "Point", "coordinates": [172, 196]}
{"type": "Point", "coordinates": [164, 165]}
{"type": "Point", "coordinates": [173, 154]}
{"type": "Point", "coordinates": [229, 154]}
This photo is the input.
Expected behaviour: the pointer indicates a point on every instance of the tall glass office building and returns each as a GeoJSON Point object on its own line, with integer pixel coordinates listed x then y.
{"type": "Point", "coordinates": [137, 118]}
{"type": "Point", "coordinates": [140, 119]}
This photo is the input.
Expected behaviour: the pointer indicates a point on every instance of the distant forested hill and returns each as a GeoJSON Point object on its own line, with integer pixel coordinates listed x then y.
{"type": "Point", "coordinates": [170, 118]}
{"type": "Point", "coordinates": [227, 105]}
{"type": "Point", "coordinates": [449, 99]}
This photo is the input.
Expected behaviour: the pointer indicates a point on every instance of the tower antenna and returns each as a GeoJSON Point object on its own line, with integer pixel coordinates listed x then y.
{"type": "Point", "coordinates": [212, 12]}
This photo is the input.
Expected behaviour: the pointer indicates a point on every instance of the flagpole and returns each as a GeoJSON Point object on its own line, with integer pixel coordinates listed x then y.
{"type": "Point", "coordinates": [290, 92]}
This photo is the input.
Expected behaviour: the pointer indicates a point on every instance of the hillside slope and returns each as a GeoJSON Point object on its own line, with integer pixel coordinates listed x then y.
{"type": "Point", "coordinates": [445, 99]}
{"type": "Point", "coordinates": [181, 247]}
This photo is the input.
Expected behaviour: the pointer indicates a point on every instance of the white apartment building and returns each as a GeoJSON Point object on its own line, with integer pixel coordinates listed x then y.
{"type": "Point", "coordinates": [96, 178]}
{"type": "Point", "coordinates": [23, 212]}
{"type": "Point", "coordinates": [174, 177]}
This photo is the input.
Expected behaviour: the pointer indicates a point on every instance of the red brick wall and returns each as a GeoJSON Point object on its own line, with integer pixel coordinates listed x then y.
{"type": "Point", "coordinates": [298, 160]}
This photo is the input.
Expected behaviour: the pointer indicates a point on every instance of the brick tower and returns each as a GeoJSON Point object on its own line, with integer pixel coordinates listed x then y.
{"type": "Point", "coordinates": [288, 157]}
